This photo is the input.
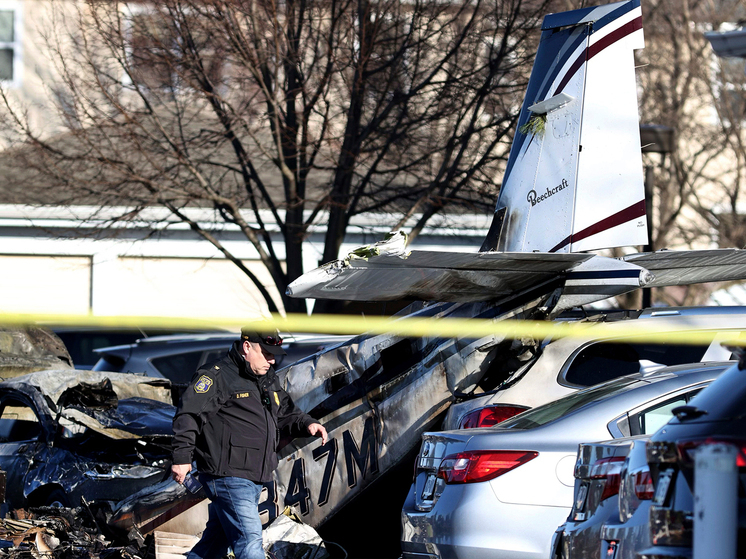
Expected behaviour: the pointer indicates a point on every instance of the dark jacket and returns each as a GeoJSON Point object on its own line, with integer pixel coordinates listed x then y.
{"type": "Point", "coordinates": [230, 420]}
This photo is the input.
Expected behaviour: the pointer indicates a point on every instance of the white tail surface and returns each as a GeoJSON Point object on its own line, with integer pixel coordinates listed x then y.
{"type": "Point", "coordinates": [577, 185]}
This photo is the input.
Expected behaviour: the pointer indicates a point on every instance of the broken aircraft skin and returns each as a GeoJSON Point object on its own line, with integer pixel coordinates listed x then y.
{"type": "Point", "coordinates": [31, 348]}
{"type": "Point", "coordinates": [375, 395]}
{"type": "Point", "coordinates": [67, 434]}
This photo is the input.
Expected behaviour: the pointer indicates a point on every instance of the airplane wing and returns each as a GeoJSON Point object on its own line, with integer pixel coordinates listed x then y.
{"type": "Point", "coordinates": [684, 267]}
{"type": "Point", "coordinates": [491, 276]}
{"type": "Point", "coordinates": [469, 277]}
{"type": "Point", "coordinates": [433, 276]}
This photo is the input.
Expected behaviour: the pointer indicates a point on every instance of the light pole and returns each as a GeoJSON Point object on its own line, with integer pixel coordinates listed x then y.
{"type": "Point", "coordinates": [654, 138]}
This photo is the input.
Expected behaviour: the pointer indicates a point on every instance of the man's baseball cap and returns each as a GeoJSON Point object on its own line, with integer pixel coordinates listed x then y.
{"type": "Point", "coordinates": [271, 343]}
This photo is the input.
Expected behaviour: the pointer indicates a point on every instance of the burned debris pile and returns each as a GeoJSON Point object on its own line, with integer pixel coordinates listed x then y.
{"type": "Point", "coordinates": [61, 533]}
{"type": "Point", "coordinates": [76, 533]}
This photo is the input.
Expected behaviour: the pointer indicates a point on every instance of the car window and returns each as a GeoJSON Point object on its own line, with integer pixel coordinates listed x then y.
{"type": "Point", "coordinates": [18, 423]}
{"type": "Point", "coordinates": [178, 368]}
{"type": "Point", "coordinates": [604, 361]}
{"type": "Point", "coordinates": [554, 410]}
{"type": "Point", "coordinates": [656, 417]}
{"type": "Point", "coordinates": [210, 356]}
{"type": "Point", "coordinates": [110, 363]}
{"type": "Point", "coordinates": [651, 419]}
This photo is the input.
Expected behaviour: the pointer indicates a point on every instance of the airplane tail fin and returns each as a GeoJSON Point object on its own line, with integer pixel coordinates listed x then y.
{"type": "Point", "coordinates": [574, 178]}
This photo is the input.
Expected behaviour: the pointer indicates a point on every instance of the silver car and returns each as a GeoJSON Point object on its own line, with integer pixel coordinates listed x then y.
{"type": "Point", "coordinates": [501, 492]}
{"type": "Point", "coordinates": [563, 366]}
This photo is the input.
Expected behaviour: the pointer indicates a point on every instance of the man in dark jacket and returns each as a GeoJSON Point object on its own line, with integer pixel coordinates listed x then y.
{"type": "Point", "coordinates": [230, 420]}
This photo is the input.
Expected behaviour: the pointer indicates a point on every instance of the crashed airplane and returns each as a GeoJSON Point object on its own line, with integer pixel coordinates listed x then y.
{"type": "Point", "coordinates": [573, 184]}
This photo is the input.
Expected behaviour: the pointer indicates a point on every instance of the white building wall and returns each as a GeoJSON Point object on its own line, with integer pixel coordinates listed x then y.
{"type": "Point", "coordinates": [57, 260]}
{"type": "Point", "coordinates": [44, 283]}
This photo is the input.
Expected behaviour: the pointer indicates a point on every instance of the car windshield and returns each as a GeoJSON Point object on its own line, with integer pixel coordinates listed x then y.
{"type": "Point", "coordinates": [554, 410]}
{"type": "Point", "coordinates": [110, 363]}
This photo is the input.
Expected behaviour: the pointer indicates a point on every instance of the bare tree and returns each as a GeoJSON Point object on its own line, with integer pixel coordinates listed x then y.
{"type": "Point", "coordinates": [698, 183]}
{"type": "Point", "coordinates": [728, 97]}
{"type": "Point", "coordinates": [282, 114]}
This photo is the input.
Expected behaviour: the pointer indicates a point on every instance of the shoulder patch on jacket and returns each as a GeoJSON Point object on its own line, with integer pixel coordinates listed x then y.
{"type": "Point", "coordinates": [203, 384]}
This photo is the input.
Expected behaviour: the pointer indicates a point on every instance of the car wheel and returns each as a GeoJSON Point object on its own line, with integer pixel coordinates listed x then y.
{"type": "Point", "coordinates": [51, 497]}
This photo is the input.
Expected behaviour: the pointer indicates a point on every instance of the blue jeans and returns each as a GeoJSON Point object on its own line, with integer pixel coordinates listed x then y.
{"type": "Point", "coordinates": [233, 520]}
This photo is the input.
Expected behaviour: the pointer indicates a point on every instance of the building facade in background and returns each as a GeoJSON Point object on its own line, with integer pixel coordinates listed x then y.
{"type": "Point", "coordinates": [71, 259]}
{"type": "Point", "coordinates": [56, 260]}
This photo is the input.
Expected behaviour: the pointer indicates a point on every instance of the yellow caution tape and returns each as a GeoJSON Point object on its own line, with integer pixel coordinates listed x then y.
{"type": "Point", "coordinates": [650, 330]}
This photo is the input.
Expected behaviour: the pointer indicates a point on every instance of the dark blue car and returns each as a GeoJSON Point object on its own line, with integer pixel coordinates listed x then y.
{"type": "Point", "coordinates": [67, 434]}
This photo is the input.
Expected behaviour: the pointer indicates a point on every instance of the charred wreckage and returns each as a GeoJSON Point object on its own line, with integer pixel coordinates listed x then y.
{"type": "Point", "coordinates": [81, 442]}
{"type": "Point", "coordinates": [85, 471]}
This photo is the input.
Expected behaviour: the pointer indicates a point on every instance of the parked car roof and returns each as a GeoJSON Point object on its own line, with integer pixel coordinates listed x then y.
{"type": "Point", "coordinates": [618, 393]}
{"type": "Point", "coordinates": [177, 357]}
{"type": "Point", "coordinates": [82, 341]}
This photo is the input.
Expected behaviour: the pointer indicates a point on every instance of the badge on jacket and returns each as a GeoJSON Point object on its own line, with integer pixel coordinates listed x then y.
{"type": "Point", "coordinates": [203, 384]}
{"type": "Point", "coordinates": [277, 399]}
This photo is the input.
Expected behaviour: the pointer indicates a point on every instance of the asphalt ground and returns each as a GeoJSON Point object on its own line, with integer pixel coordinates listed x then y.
{"type": "Point", "coordinates": [369, 527]}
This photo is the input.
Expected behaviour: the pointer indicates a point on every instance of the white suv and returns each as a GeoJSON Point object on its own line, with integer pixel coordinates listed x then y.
{"type": "Point", "coordinates": [562, 366]}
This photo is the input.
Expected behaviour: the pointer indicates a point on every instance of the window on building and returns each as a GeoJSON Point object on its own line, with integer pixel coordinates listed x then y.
{"type": "Point", "coordinates": [156, 55]}
{"type": "Point", "coordinates": [733, 90]}
{"type": "Point", "coordinates": [729, 83]}
{"type": "Point", "coordinates": [151, 48]}
{"type": "Point", "coordinates": [10, 44]}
